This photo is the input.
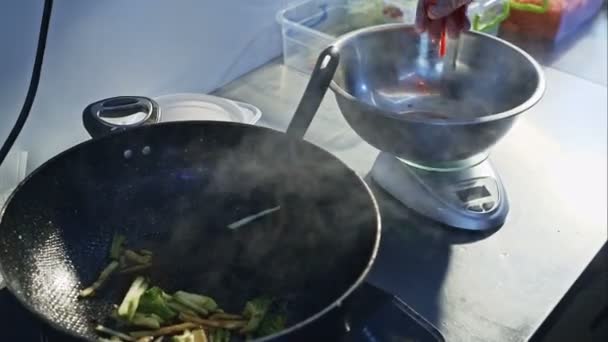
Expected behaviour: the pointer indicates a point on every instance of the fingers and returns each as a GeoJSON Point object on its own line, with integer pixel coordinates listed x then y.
{"type": "Point", "coordinates": [422, 19]}
{"type": "Point", "coordinates": [453, 10]}
{"type": "Point", "coordinates": [457, 22]}
{"type": "Point", "coordinates": [443, 8]}
{"type": "Point", "coordinates": [434, 29]}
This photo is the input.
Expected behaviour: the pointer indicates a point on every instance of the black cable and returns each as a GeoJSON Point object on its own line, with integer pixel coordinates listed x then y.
{"type": "Point", "coordinates": [31, 91]}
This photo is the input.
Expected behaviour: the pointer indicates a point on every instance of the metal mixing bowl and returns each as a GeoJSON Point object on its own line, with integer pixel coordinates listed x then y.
{"type": "Point", "coordinates": [396, 93]}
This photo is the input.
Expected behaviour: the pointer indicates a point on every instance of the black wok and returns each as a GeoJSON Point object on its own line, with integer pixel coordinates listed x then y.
{"type": "Point", "coordinates": [173, 188]}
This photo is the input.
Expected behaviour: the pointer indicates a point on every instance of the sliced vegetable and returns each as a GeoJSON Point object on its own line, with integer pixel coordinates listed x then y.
{"type": "Point", "coordinates": [105, 274]}
{"type": "Point", "coordinates": [135, 269]}
{"type": "Point", "coordinates": [111, 339]}
{"type": "Point", "coordinates": [134, 257]}
{"type": "Point", "coordinates": [129, 304]}
{"type": "Point", "coordinates": [180, 308]}
{"type": "Point", "coordinates": [200, 335]}
{"type": "Point", "coordinates": [230, 325]}
{"type": "Point", "coordinates": [191, 336]}
{"type": "Point", "coordinates": [117, 246]}
{"type": "Point", "coordinates": [271, 324]}
{"type": "Point", "coordinates": [246, 220]}
{"type": "Point", "coordinates": [154, 301]}
{"type": "Point", "coordinates": [201, 304]}
{"type": "Point", "coordinates": [145, 339]}
{"type": "Point", "coordinates": [185, 337]}
{"type": "Point", "coordinates": [113, 333]}
{"type": "Point", "coordinates": [254, 311]}
{"type": "Point", "coordinates": [219, 335]}
{"type": "Point", "coordinates": [169, 330]}
{"type": "Point", "coordinates": [150, 321]}
{"type": "Point", "coordinates": [225, 316]}
{"type": "Point", "coordinates": [146, 252]}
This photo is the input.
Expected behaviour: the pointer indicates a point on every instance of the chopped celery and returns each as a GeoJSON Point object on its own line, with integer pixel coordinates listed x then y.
{"type": "Point", "coordinates": [105, 274]}
{"type": "Point", "coordinates": [150, 321]}
{"type": "Point", "coordinates": [117, 246]}
{"type": "Point", "coordinates": [129, 304]}
{"type": "Point", "coordinates": [201, 304]}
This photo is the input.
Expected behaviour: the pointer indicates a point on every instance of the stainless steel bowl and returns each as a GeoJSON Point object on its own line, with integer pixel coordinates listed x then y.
{"type": "Point", "coordinates": [396, 93]}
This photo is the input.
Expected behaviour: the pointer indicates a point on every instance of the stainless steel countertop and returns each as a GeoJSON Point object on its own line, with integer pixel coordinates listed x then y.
{"type": "Point", "coordinates": [482, 288]}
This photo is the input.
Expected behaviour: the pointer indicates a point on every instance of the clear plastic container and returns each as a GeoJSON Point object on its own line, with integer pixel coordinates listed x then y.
{"type": "Point", "coordinates": [310, 26]}
{"type": "Point", "coordinates": [487, 15]}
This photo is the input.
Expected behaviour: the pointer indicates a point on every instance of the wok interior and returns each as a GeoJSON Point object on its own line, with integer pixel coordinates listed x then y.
{"type": "Point", "coordinates": [396, 69]}
{"type": "Point", "coordinates": [176, 200]}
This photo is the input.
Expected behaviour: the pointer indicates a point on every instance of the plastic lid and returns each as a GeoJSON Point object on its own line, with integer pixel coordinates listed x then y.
{"type": "Point", "coordinates": [192, 106]}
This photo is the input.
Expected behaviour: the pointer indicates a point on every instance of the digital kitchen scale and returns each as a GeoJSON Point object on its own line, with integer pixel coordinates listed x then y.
{"type": "Point", "coordinates": [469, 197]}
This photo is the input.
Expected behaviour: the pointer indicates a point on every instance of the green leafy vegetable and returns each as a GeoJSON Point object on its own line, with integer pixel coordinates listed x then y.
{"type": "Point", "coordinates": [254, 311]}
{"type": "Point", "coordinates": [129, 304]}
{"type": "Point", "coordinates": [200, 304]}
{"type": "Point", "coordinates": [155, 301]}
{"type": "Point", "coordinates": [271, 324]}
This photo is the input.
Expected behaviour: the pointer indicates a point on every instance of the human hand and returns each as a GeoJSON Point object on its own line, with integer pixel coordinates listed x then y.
{"type": "Point", "coordinates": [433, 15]}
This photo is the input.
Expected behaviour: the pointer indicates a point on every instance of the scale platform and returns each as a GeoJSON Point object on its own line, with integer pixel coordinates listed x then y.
{"type": "Point", "coordinates": [470, 198]}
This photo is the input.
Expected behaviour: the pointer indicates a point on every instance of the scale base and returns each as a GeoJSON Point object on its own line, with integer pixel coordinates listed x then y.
{"type": "Point", "coordinates": [470, 198]}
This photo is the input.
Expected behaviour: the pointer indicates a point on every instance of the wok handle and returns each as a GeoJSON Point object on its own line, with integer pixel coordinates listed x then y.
{"type": "Point", "coordinates": [321, 77]}
{"type": "Point", "coordinates": [119, 113]}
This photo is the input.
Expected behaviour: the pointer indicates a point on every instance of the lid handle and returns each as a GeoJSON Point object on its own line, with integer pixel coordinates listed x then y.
{"type": "Point", "coordinates": [119, 113]}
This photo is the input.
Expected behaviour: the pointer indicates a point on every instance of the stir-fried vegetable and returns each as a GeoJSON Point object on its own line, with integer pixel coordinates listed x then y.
{"type": "Point", "coordinates": [150, 321]}
{"type": "Point", "coordinates": [271, 324]}
{"type": "Point", "coordinates": [181, 316]}
{"type": "Point", "coordinates": [255, 310]}
{"type": "Point", "coordinates": [135, 269]}
{"type": "Point", "coordinates": [145, 339]}
{"type": "Point", "coordinates": [200, 304]}
{"type": "Point", "coordinates": [117, 246]}
{"type": "Point", "coordinates": [191, 336]}
{"type": "Point", "coordinates": [219, 335]}
{"type": "Point", "coordinates": [136, 258]}
{"type": "Point", "coordinates": [103, 277]}
{"type": "Point", "coordinates": [169, 330]}
{"type": "Point", "coordinates": [180, 308]}
{"type": "Point", "coordinates": [155, 301]}
{"type": "Point", "coordinates": [129, 304]}
{"type": "Point", "coordinates": [229, 325]}
{"type": "Point", "coordinates": [113, 333]}
{"type": "Point", "coordinates": [224, 316]}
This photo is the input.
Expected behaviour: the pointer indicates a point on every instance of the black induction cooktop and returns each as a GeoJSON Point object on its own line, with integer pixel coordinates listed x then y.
{"type": "Point", "coordinates": [372, 316]}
